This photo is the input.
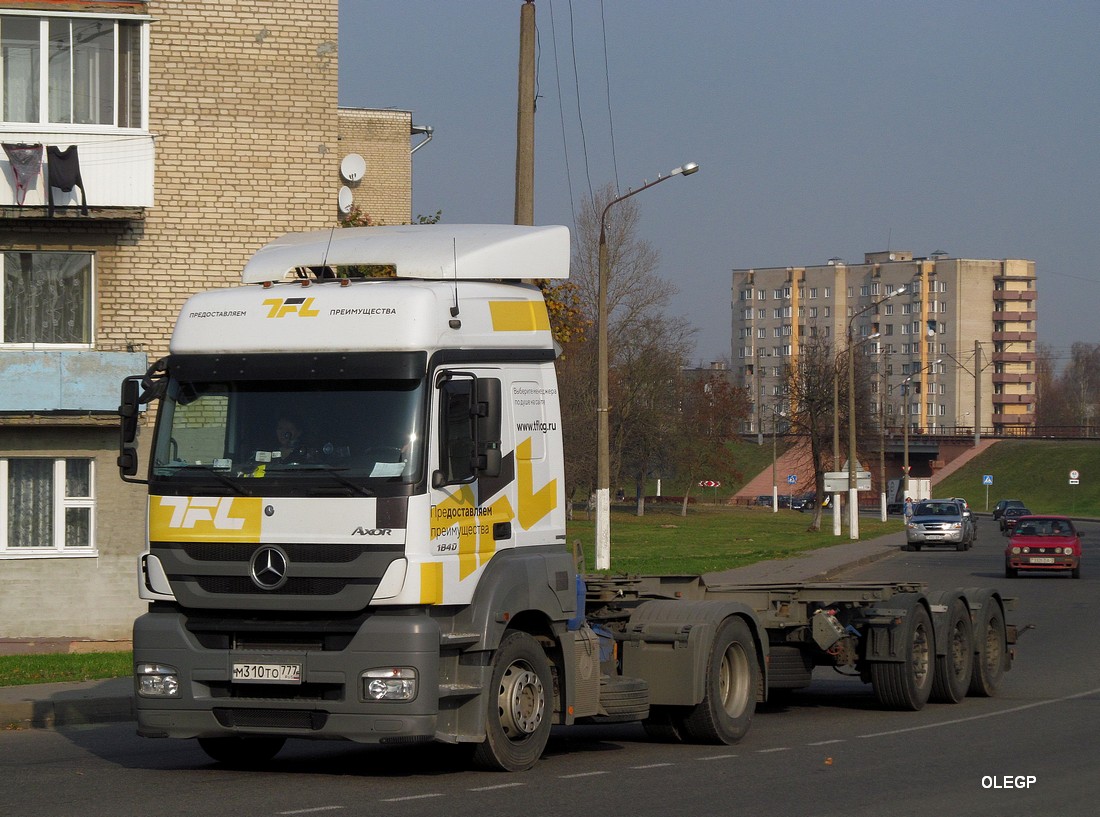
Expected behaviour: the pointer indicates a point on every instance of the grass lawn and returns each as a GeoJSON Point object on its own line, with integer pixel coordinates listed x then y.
{"type": "Point", "coordinates": [16, 670]}
{"type": "Point", "coordinates": [710, 537]}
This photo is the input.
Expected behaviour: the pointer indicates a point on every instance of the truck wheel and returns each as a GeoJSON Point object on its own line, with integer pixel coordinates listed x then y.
{"type": "Point", "coordinates": [989, 659]}
{"type": "Point", "coordinates": [908, 684]}
{"type": "Point", "coordinates": [953, 671]}
{"type": "Point", "coordinates": [518, 715]}
{"type": "Point", "coordinates": [241, 752]}
{"type": "Point", "coordinates": [729, 693]}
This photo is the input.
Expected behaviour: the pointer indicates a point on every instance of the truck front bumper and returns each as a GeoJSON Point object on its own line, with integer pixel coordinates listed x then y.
{"type": "Point", "coordinates": [329, 701]}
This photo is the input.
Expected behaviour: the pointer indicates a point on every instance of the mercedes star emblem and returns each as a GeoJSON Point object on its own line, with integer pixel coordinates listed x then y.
{"type": "Point", "coordinates": [269, 566]}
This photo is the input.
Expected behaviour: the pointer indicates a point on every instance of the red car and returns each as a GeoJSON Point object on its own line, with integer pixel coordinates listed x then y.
{"type": "Point", "coordinates": [1043, 543]}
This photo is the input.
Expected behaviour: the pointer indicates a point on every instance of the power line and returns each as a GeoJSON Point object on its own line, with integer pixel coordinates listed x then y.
{"type": "Point", "coordinates": [561, 116]}
{"type": "Point", "coordinates": [580, 116]}
{"type": "Point", "coordinates": [607, 86]}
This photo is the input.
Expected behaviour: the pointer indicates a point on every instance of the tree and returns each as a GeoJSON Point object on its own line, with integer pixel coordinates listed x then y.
{"type": "Point", "coordinates": [819, 378]}
{"type": "Point", "coordinates": [646, 349]}
{"type": "Point", "coordinates": [712, 410]}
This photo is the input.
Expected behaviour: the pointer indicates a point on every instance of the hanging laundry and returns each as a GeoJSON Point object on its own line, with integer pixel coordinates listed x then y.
{"type": "Point", "coordinates": [64, 174]}
{"type": "Point", "coordinates": [26, 163]}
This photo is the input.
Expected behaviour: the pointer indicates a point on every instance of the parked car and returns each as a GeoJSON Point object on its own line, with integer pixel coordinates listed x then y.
{"type": "Point", "coordinates": [999, 508]}
{"type": "Point", "coordinates": [939, 522]}
{"type": "Point", "coordinates": [1043, 543]}
{"type": "Point", "coordinates": [764, 499]}
{"type": "Point", "coordinates": [1009, 516]}
{"type": "Point", "coordinates": [804, 502]}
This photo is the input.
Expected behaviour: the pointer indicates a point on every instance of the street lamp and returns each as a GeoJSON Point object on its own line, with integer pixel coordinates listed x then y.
{"type": "Point", "coordinates": [853, 485]}
{"type": "Point", "coordinates": [776, 414]}
{"type": "Point", "coordinates": [603, 434]}
{"type": "Point", "coordinates": [905, 421]}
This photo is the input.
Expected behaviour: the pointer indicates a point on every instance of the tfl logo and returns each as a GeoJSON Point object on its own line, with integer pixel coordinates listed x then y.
{"type": "Point", "coordinates": [187, 511]}
{"type": "Point", "coordinates": [281, 307]}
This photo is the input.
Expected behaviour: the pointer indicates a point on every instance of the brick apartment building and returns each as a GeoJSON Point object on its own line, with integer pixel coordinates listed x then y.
{"type": "Point", "coordinates": [203, 128]}
{"type": "Point", "coordinates": [954, 350]}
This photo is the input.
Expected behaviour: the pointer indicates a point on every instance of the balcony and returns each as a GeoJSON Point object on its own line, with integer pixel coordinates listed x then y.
{"type": "Point", "coordinates": [84, 382]}
{"type": "Point", "coordinates": [116, 169]}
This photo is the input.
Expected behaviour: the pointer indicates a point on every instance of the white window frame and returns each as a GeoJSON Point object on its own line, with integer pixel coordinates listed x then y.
{"type": "Point", "coordinates": [44, 123]}
{"type": "Point", "coordinates": [61, 503]}
{"type": "Point", "coordinates": [89, 343]}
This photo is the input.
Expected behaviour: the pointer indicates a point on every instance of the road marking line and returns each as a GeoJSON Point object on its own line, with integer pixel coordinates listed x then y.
{"type": "Point", "coordinates": [776, 749]}
{"type": "Point", "coordinates": [998, 713]}
{"type": "Point", "coordinates": [650, 766]}
{"type": "Point", "coordinates": [826, 742]}
{"type": "Point", "coordinates": [579, 774]}
{"type": "Point", "coordinates": [312, 810]}
{"type": "Point", "coordinates": [498, 786]}
{"type": "Point", "coordinates": [410, 797]}
{"type": "Point", "coordinates": [718, 757]}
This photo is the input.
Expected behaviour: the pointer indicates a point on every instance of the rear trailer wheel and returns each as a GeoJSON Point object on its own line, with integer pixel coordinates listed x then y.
{"type": "Point", "coordinates": [907, 684]}
{"type": "Point", "coordinates": [729, 695]}
{"type": "Point", "coordinates": [242, 752]}
{"type": "Point", "coordinates": [518, 712]}
{"type": "Point", "coordinates": [989, 643]}
{"type": "Point", "coordinates": [953, 670]}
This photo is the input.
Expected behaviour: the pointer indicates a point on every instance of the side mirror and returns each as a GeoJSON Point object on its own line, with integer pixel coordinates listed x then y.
{"type": "Point", "coordinates": [128, 412]}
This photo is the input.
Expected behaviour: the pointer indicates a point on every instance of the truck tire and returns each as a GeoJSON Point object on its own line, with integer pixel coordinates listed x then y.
{"type": "Point", "coordinates": [953, 670]}
{"type": "Point", "coordinates": [729, 693]}
{"type": "Point", "coordinates": [519, 706]}
{"type": "Point", "coordinates": [623, 700]}
{"type": "Point", "coordinates": [907, 684]}
{"type": "Point", "coordinates": [241, 753]}
{"type": "Point", "coordinates": [989, 650]}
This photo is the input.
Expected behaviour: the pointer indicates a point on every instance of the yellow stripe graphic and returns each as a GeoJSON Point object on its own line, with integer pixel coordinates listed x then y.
{"type": "Point", "coordinates": [431, 583]}
{"type": "Point", "coordinates": [518, 316]}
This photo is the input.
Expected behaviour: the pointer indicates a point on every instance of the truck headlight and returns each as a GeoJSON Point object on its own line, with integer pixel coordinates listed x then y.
{"type": "Point", "coordinates": [157, 681]}
{"type": "Point", "coordinates": [389, 684]}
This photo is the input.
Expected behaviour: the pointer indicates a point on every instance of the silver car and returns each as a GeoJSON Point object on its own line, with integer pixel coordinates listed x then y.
{"type": "Point", "coordinates": [939, 522]}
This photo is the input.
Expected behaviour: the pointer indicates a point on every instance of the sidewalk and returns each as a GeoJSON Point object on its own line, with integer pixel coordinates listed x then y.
{"type": "Point", "coordinates": [47, 706]}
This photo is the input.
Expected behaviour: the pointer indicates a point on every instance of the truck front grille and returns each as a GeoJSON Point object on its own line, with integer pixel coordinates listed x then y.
{"type": "Point", "coordinates": [272, 718]}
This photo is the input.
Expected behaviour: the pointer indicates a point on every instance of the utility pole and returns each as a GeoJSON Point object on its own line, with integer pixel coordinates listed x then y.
{"type": "Point", "coordinates": [525, 118]}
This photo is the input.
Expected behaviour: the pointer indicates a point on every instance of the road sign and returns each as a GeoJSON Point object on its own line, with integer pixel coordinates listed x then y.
{"type": "Point", "coordinates": [987, 479]}
{"type": "Point", "coordinates": [710, 483]}
{"type": "Point", "coordinates": [792, 479]}
{"type": "Point", "coordinates": [1075, 474]}
{"type": "Point", "coordinates": [1075, 482]}
{"type": "Point", "coordinates": [836, 482]}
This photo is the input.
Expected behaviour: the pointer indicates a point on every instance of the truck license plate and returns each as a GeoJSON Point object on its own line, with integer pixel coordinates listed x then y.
{"type": "Point", "coordinates": [1042, 560]}
{"type": "Point", "coordinates": [267, 673]}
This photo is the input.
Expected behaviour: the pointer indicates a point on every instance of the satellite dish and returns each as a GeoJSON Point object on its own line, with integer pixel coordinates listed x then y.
{"type": "Point", "coordinates": [344, 199]}
{"type": "Point", "coordinates": [352, 167]}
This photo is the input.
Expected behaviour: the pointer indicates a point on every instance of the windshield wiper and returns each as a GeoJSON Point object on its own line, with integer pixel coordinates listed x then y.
{"type": "Point", "coordinates": [333, 472]}
{"type": "Point", "coordinates": [218, 475]}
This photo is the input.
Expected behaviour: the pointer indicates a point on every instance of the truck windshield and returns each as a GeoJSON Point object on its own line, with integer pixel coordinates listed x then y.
{"type": "Point", "coordinates": [335, 437]}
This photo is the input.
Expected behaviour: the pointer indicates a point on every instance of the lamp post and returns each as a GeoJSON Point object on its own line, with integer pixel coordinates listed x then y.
{"type": "Point", "coordinates": [603, 434]}
{"type": "Point", "coordinates": [905, 422]}
{"type": "Point", "coordinates": [853, 484]}
{"type": "Point", "coordinates": [776, 414]}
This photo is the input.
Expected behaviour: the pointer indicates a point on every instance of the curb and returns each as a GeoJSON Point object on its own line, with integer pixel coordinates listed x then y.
{"type": "Point", "coordinates": [66, 705]}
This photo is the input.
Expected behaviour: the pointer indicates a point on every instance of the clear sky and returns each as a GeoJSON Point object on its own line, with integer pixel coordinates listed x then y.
{"type": "Point", "coordinates": [823, 129]}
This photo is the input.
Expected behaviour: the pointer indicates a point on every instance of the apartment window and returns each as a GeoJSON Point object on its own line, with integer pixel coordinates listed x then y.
{"type": "Point", "coordinates": [828, 292]}
{"type": "Point", "coordinates": [813, 311]}
{"type": "Point", "coordinates": [813, 292]}
{"type": "Point", "coordinates": [888, 309]}
{"type": "Point", "coordinates": [906, 309]}
{"type": "Point", "coordinates": [71, 70]}
{"type": "Point", "coordinates": [778, 294]}
{"type": "Point", "coordinates": [762, 314]}
{"type": "Point", "coordinates": [46, 506]}
{"type": "Point", "coordinates": [777, 332]}
{"type": "Point", "coordinates": [46, 299]}
{"type": "Point", "coordinates": [864, 291]}
{"type": "Point", "coordinates": [828, 311]}
{"type": "Point", "coordinates": [761, 295]}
